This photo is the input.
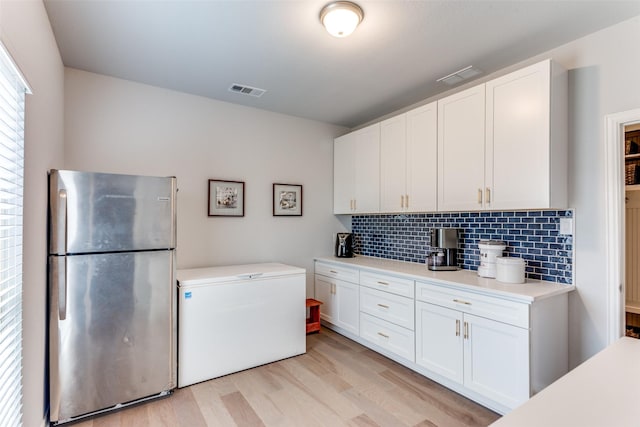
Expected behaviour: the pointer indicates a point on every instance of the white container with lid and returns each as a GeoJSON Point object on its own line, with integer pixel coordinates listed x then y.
{"type": "Point", "coordinates": [510, 269]}
{"type": "Point", "coordinates": [489, 251]}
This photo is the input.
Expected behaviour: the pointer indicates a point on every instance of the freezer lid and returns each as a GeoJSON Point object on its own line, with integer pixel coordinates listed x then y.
{"type": "Point", "coordinates": [98, 212]}
{"type": "Point", "coordinates": [230, 273]}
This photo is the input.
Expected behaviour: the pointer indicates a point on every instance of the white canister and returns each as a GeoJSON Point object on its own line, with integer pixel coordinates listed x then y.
{"type": "Point", "coordinates": [489, 251]}
{"type": "Point", "coordinates": [510, 269]}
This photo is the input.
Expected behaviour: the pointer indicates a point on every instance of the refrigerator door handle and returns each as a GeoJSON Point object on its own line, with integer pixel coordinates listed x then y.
{"type": "Point", "coordinates": [58, 283]}
{"type": "Point", "coordinates": [61, 281]}
{"type": "Point", "coordinates": [61, 223]}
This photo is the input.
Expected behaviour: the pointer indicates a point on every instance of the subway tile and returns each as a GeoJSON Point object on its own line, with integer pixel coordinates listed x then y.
{"type": "Point", "coordinates": [532, 235]}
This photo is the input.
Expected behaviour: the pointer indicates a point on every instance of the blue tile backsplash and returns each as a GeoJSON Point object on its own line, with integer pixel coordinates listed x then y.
{"type": "Point", "coordinates": [532, 235]}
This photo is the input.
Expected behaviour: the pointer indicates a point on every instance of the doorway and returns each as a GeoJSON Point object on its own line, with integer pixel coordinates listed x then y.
{"type": "Point", "coordinates": [632, 230]}
{"type": "Point", "coordinates": [615, 175]}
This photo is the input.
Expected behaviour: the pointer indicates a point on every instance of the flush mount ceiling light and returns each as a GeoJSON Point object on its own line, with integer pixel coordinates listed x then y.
{"type": "Point", "coordinates": [341, 18]}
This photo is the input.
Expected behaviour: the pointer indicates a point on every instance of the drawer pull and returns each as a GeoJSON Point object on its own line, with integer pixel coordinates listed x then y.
{"type": "Point", "coordinates": [459, 301]}
{"type": "Point", "coordinates": [383, 335]}
{"type": "Point", "coordinates": [466, 330]}
{"type": "Point", "coordinates": [333, 272]}
{"type": "Point", "coordinates": [457, 327]}
{"type": "Point", "coordinates": [383, 306]}
{"type": "Point", "coordinates": [383, 283]}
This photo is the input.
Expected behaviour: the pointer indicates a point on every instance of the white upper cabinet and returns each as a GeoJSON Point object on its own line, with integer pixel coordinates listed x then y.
{"type": "Point", "coordinates": [393, 159]}
{"type": "Point", "coordinates": [461, 132]}
{"type": "Point", "coordinates": [526, 139]}
{"type": "Point", "coordinates": [408, 161]}
{"type": "Point", "coordinates": [356, 171]}
{"type": "Point", "coordinates": [501, 145]}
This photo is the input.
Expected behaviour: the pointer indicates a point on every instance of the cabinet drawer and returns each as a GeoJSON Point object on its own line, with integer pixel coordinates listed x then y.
{"type": "Point", "coordinates": [339, 272]}
{"type": "Point", "coordinates": [498, 309]}
{"type": "Point", "coordinates": [383, 282]}
{"type": "Point", "coordinates": [389, 307]}
{"type": "Point", "coordinates": [391, 337]}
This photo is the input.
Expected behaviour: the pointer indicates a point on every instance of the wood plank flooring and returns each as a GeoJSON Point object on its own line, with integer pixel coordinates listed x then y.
{"type": "Point", "coordinates": [337, 382]}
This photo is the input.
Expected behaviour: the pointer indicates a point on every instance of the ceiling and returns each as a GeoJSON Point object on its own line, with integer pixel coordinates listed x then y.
{"type": "Point", "coordinates": [392, 60]}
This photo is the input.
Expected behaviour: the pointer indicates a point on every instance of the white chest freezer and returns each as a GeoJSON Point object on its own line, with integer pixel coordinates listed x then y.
{"type": "Point", "coordinates": [237, 317]}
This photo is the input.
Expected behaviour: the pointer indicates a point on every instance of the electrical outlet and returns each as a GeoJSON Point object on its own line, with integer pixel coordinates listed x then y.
{"type": "Point", "coordinates": [566, 226]}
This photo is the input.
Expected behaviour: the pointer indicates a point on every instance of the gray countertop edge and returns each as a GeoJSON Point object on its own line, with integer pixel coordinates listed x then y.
{"type": "Point", "coordinates": [467, 280]}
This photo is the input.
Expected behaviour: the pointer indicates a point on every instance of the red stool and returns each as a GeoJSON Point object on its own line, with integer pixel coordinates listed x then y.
{"type": "Point", "coordinates": [313, 321]}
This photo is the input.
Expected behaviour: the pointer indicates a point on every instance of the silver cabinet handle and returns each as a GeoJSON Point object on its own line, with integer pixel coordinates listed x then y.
{"type": "Point", "coordinates": [406, 201]}
{"type": "Point", "coordinates": [383, 335]}
{"type": "Point", "coordinates": [488, 194]}
{"type": "Point", "coordinates": [355, 204]}
{"type": "Point", "coordinates": [333, 271]}
{"type": "Point", "coordinates": [459, 301]}
{"type": "Point", "coordinates": [457, 327]}
{"type": "Point", "coordinates": [480, 195]}
{"type": "Point", "coordinates": [383, 306]}
{"type": "Point", "coordinates": [401, 201]}
{"type": "Point", "coordinates": [383, 283]}
{"type": "Point", "coordinates": [466, 330]}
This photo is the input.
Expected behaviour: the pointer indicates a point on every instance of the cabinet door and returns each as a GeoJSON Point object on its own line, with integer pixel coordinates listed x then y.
{"type": "Point", "coordinates": [367, 169]}
{"type": "Point", "coordinates": [439, 340]}
{"type": "Point", "coordinates": [347, 306]}
{"type": "Point", "coordinates": [343, 174]}
{"type": "Point", "coordinates": [393, 156]}
{"type": "Point", "coordinates": [461, 133]}
{"type": "Point", "coordinates": [518, 144]}
{"type": "Point", "coordinates": [496, 360]}
{"type": "Point", "coordinates": [422, 159]}
{"type": "Point", "coordinates": [324, 291]}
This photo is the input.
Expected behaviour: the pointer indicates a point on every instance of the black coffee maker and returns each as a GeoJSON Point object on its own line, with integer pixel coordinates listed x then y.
{"type": "Point", "coordinates": [344, 245]}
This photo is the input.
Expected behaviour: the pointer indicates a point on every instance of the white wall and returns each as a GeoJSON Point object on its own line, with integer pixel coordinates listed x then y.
{"type": "Point", "coordinates": [26, 32]}
{"type": "Point", "coordinates": [113, 125]}
{"type": "Point", "coordinates": [603, 79]}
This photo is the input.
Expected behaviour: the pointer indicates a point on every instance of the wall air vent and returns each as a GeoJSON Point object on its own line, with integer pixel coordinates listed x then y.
{"type": "Point", "coordinates": [460, 75]}
{"type": "Point", "coordinates": [247, 90]}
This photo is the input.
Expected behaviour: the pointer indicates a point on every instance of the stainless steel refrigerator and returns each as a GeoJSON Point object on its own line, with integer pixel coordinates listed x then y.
{"type": "Point", "coordinates": [112, 292]}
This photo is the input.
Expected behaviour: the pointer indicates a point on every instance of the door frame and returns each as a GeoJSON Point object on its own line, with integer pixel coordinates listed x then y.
{"type": "Point", "coordinates": [614, 217]}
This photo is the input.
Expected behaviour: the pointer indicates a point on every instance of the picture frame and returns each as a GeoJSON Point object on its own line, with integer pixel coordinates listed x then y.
{"type": "Point", "coordinates": [225, 198]}
{"type": "Point", "coordinates": [287, 199]}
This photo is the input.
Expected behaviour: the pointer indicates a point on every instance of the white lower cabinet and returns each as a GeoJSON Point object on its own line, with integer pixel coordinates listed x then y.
{"type": "Point", "coordinates": [495, 347]}
{"type": "Point", "coordinates": [341, 299]}
{"type": "Point", "coordinates": [387, 335]}
{"type": "Point", "coordinates": [486, 356]}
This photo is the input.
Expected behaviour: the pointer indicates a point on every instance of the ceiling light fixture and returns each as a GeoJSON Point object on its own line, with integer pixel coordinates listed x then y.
{"type": "Point", "coordinates": [341, 18]}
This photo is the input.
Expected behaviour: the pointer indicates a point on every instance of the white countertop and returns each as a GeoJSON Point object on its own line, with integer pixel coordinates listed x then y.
{"type": "Point", "coordinates": [467, 280]}
{"type": "Point", "coordinates": [603, 391]}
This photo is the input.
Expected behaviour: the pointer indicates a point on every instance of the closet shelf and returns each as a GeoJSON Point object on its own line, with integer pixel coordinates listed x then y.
{"type": "Point", "coordinates": [635, 187]}
{"type": "Point", "coordinates": [632, 307]}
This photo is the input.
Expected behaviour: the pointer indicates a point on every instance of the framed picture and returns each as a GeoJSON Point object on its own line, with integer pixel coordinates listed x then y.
{"type": "Point", "coordinates": [287, 200]}
{"type": "Point", "coordinates": [226, 198]}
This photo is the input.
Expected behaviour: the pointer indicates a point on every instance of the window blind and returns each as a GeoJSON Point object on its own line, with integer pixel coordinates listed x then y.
{"type": "Point", "coordinates": [12, 102]}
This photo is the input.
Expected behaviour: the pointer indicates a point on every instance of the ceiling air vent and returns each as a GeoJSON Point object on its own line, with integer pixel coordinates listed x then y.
{"type": "Point", "coordinates": [247, 90]}
{"type": "Point", "coordinates": [460, 75]}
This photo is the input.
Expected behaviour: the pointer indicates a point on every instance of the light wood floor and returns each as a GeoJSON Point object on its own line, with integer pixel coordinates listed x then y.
{"type": "Point", "coordinates": [336, 383]}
